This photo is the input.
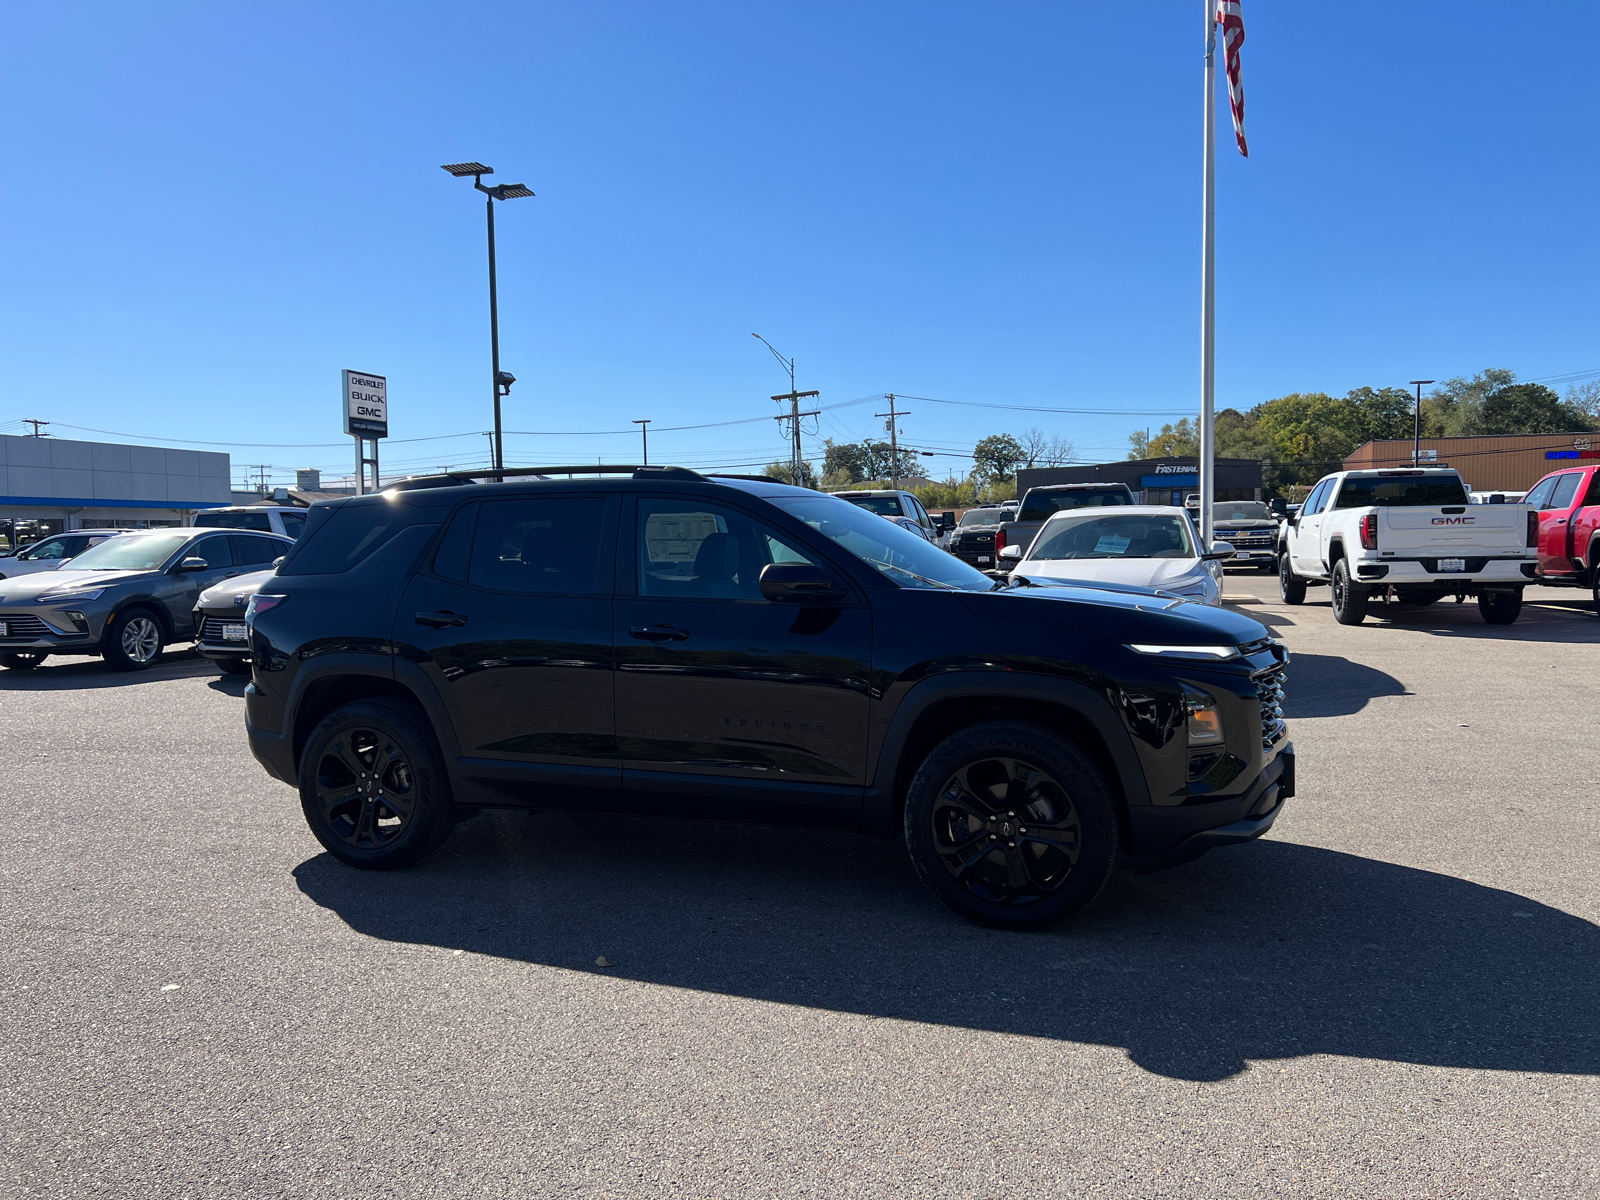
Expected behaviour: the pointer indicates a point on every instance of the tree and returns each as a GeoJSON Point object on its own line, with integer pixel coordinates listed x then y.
{"type": "Point", "coordinates": [1385, 413]}
{"type": "Point", "coordinates": [1045, 450]}
{"type": "Point", "coordinates": [1455, 407]}
{"type": "Point", "coordinates": [1174, 441]}
{"type": "Point", "coordinates": [785, 471]}
{"type": "Point", "coordinates": [996, 457]}
{"type": "Point", "coordinates": [847, 458]}
{"type": "Point", "coordinates": [1530, 408]}
{"type": "Point", "coordinates": [1585, 398]}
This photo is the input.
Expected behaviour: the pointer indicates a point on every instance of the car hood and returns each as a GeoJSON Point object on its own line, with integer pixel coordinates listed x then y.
{"type": "Point", "coordinates": [28, 587]}
{"type": "Point", "coordinates": [1263, 526]}
{"type": "Point", "coordinates": [1122, 613]}
{"type": "Point", "coordinates": [1141, 572]}
{"type": "Point", "coordinates": [227, 593]}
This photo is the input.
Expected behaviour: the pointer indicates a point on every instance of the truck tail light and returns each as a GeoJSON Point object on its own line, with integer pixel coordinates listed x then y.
{"type": "Point", "coordinates": [999, 539]}
{"type": "Point", "coordinates": [1369, 531]}
{"type": "Point", "coordinates": [1533, 528]}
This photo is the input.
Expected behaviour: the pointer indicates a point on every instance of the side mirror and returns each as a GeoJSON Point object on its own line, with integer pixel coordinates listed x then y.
{"type": "Point", "coordinates": [1014, 553]}
{"type": "Point", "coordinates": [798, 583]}
{"type": "Point", "coordinates": [1278, 508]}
{"type": "Point", "coordinates": [947, 520]}
{"type": "Point", "coordinates": [278, 562]}
{"type": "Point", "coordinates": [1219, 551]}
{"type": "Point", "coordinates": [193, 563]}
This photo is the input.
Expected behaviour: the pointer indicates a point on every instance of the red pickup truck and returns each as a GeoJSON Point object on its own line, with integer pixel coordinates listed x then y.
{"type": "Point", "coordinates": [1568, 504]}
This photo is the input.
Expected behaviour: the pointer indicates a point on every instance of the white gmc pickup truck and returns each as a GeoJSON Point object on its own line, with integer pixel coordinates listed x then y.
{"type": "Point", "coordinates": [1409, 535]}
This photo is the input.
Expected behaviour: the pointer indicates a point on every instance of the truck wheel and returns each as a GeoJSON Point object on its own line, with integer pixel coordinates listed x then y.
{"type": "Point", "coordinates": [1594, 577]}
{"type": "Point", "coordinates": [1500, 608]}
{"type": "Point", "coordinates": [1349, 598]}
{"type": "Point", "coordinates": [134, 641]}
{"type": "Point", "coordinates": [373, 786]}
{"type": "Point", "coordinates": [1011, 825]}
{"type": "Point", "coordinates": [1291, 587]}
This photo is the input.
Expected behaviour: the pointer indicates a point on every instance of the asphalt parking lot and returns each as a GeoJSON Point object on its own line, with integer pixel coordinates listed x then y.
{"type": "Point", "coordinates": [1396, 994]}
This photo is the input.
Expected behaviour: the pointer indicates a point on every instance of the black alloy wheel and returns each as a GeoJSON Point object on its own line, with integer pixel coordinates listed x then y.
{"type": "Point", "coordinates": [23, 660]}
{"type": "Point", "coordinates": [373, 786]}
{"type": "Point", "coordinates": [1349, 598]}
{"type": "Point", "coordinates": [1291, 588]}
{"type": "Point", "coordinates": [1011, 825]}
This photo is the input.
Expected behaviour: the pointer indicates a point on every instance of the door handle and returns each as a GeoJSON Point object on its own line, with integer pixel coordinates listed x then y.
{"type": "Point", "coordinates": [1561, 520]}
{"type": "Point", "coordinates": [658, 633]}
{"type": "Point", "coordinates": [441, 620]}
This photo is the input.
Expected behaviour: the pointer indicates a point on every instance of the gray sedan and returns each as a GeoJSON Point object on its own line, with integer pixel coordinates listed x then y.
{"type": "Point", "coordinates": [126, 598]}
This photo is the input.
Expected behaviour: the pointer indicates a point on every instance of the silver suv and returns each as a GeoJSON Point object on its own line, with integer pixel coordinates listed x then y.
{"type": "Point", "coordinates": [259, 518]}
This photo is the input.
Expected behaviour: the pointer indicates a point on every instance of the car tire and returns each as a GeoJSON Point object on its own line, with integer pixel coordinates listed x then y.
{"type": "Point", "coordinates": [1349, 597]}
{"type": "Point", "coordinates": [23, 660]}
{"type": "Point", "coordinates": [1500, 608]}
{"type": "Point", "coordinates": [373, 786]}
{"type": "Point", "coordinates": [233, 666]}
{"type": "Point", "coordinates": [134, 641]}
{"type": "Point", "coordinates": [1594, 577]}
{"type": "Point", "coordinates": [1291, 588]}
{"type": "Point", "coordinates": [1268, 568]}
{"type": "Point", "coordinates": [988, 786]}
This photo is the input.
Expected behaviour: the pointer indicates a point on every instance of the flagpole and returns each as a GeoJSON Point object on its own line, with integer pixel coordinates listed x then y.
{"type": "Point", "coordinates": [1208, 294]}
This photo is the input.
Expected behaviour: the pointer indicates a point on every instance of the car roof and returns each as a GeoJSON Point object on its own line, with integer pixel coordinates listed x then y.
{"type": "Point", "coordinates": [1119, 510]}
{"type": "Point", "coordinates": [1077, 487]}
{"type": "Point", "coordinates": [448, 495]}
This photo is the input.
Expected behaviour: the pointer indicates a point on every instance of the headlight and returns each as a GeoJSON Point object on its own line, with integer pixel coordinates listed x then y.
{"type": "Point", "coordinates": [75, 594]}
{"type": "Point", "coordinates": [1204, 653]}
{"type": "Point", "coordinates": [1204, 724]}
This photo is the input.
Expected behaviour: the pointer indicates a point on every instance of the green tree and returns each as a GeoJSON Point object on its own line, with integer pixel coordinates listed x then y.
{"type": "Point", "coordinates": [1384, 412]}
{"type": "Point", "coordinates": [785, 472]}
{"type": "Point", "coordinates": [1174, 441]}
{"type": "Point", "coordinates": [996, 458]}
{"type": "Point", "coordinates": [846, 458]}
{"type": "Point", "coordinates": [1530, 408]}
{"type": "Point", "coordinates": [1455, 407]}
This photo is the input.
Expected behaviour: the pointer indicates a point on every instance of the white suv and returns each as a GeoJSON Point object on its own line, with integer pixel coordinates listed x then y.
{"type": "Point", "coordinates": [50, 553]}
{"type": "Point", "coordinates": [263, 518]}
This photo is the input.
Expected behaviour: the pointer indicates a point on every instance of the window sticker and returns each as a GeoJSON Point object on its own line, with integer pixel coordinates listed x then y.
{"type": "Point", "coordinates": [1111, 544]}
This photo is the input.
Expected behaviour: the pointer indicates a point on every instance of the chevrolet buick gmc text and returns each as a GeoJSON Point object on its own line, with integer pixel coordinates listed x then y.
{"type": "Point", "coordinates": [669, 644]}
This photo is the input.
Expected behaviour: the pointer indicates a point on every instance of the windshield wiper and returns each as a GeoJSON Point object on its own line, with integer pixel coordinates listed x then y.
{"type": "Point", "coordinates": [949, 587]}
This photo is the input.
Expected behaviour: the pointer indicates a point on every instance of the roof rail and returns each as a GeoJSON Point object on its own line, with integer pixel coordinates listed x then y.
{"type": "Point", "coordinates": [636, 470]}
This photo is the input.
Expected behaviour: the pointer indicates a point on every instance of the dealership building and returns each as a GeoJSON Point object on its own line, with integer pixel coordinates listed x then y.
{"type": "Point", "coordinates": [1499, 463]}
{"type": "Point", "coordinates": [49, 485]}
{"type": "Point", "coordinates": [1155, 480]}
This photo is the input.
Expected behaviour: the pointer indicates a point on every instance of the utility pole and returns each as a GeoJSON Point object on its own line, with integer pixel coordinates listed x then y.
{"type": "Point", "coordinates": [1416, 432]}
{"type": "Point", "coordinates": [35, 424]}
{"type": "Point", "coordinates": [796, 454]}
{"type": "Point", "coordinates": [894, 440]}
{"type": "Point", "coordinates": [644, 431]}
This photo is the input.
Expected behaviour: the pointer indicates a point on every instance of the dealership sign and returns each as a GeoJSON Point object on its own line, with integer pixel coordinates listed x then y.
{"type": "Point", "coordinates": [366, 405]}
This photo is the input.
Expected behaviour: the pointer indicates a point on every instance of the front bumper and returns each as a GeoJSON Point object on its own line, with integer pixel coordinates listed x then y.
{"type": "Point", "coordinates": [52, 629]}
{"type": "Point", "coordinates": [1164, 836]}
{"type": "Point", "coordinates": [210, 637]}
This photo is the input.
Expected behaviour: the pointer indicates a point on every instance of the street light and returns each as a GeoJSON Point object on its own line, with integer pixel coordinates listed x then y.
{"type": "Point", "coordinates": [1416, 433]}
{"type": "Point", "coordinates": [644, 432]}
{"type": "Point", "coordinates": [499, 191]}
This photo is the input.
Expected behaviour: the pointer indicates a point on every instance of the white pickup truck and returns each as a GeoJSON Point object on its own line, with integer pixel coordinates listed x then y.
{"type": "Point", "coordinates": [1409, 535]}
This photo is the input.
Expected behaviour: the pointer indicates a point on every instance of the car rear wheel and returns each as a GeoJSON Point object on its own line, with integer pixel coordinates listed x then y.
{"type": "Point", "coordinates": [134, 641]}
{"type": "Point", "coordinates": [1500, 608]}
{"type": "Point", "coordinates": [1349, 598]}
{"type": "Point", "coordinates": [23, 660]}
{"type": "Point", "coordinates": [1291, 588]}
{"type": "Point", "coordinates": [1011, 825]}
{"type": "Point", "coordinates": [373, 786]}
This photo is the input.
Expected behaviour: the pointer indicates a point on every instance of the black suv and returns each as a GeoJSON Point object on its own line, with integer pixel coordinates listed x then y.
{"type": "Point", "coordinates": [669, 644]}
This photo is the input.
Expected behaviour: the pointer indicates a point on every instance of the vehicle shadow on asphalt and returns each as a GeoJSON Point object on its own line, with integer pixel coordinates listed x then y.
{"type": "Point", "coordinates": [1540, 621]}
{"type": "Point", "coordinates": [82, 671]}
{"type": "Point", "coordinates": [1325, 685]}
{"type": "Point", "coordinates": [1256, 952]}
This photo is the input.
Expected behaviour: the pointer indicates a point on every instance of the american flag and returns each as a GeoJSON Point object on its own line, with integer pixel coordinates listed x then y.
{"type": "Point", "coordinates": [1232, 24]}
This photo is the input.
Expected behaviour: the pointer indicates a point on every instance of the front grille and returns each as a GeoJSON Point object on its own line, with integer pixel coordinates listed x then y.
{"type": "Point", "coordinates": [211, 631]}
{"type": "Point", "coordinates": [1248, 541]}
{"type": "Point", "coordinates": [24, 627]}
{"type": "Point", "coordinates": [1269, 692]}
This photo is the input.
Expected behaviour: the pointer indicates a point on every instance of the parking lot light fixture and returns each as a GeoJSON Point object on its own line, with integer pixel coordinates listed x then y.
{"type": "Point", "coordinates": [493, 192]}
{"type": "Point", "coordinates": [1416, 435]}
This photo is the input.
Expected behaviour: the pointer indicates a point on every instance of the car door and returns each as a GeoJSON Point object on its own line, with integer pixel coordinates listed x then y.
{"type": "Point", "coordinates": [1306, 542]}
{"type": "Point", "coordinates": [1556, 510]}
{"type": "Point", "coordinates": [511, 621]}
{"type": "Point", "coordinates": [183, 590]}
{"type": "Point", "coordinates": [730, 705]}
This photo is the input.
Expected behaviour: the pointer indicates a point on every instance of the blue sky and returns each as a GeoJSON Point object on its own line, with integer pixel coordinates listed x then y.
{"type": "Point", "coordinates": [211, 209]}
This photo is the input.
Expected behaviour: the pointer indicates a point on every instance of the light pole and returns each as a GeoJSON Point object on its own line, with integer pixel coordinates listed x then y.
{"type": "Point", "coordinates": [644, 432]}
{"type": "Point", "coordinates": [1416, 433]}
{"type": "Point", "coordinates": [499, 379]}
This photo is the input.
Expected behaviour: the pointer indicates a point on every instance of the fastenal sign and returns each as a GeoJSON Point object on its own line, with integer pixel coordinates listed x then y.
{"type": "Point", "coordinates": [366, 405]}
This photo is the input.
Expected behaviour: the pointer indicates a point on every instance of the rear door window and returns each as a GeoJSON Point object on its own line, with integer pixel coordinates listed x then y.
{"type": "Point", "coordinates": [252, 551]}
{"type": "Point", "coordinates": [1566, 489]}
{"type": "Point", "coordinates": [538, 545]}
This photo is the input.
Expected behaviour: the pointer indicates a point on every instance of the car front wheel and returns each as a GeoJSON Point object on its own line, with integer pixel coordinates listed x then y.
{"type": "Point", "coordinates": [134, 641]}
{"type": "Point", "coordinates": [1011, 825]}
{"type": "Point", "coordinates": [373, 786]}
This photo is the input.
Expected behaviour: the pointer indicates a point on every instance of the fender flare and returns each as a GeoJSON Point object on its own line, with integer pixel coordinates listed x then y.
{"type": "Point", "coordinates": [878, 809]}
{"type": "Point", "coordinates": [407, 675]}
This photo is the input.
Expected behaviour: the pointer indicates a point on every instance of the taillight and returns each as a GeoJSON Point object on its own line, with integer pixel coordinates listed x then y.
{"type": "Point", "coordinates": [1533, 528]}
{"type": "Point", "coordinates": [999, 539]}
{"type": "Point", "coordinates": [1369, 531]}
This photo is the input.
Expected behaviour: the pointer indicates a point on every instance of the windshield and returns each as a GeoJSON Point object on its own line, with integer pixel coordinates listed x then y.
{"type": "Point", "coordinates": [1404, 491]}
{"type": "Point", "coordinates": [982, 516]}
{"type": "Point", "coordinates": [1141, 536]}
{"type": "Point", "coordinates": [884, 506]}
{"type": "Point", "coordinates": [1038, 504]}
{"type": "Point", "coordinates": [909, 560]}
{"type": "Point", "coordinates": [1242, 510]}
{"type": "Point", "coordinates": [132, 551]}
